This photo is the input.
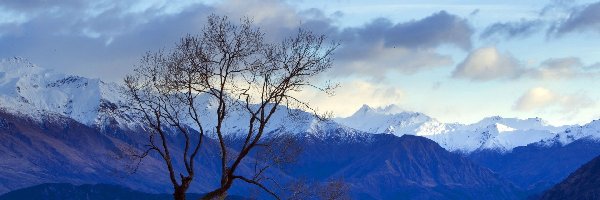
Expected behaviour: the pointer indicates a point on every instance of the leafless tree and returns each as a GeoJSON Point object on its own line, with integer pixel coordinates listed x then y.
{"type": "Point", "coordinates": [233, 66]}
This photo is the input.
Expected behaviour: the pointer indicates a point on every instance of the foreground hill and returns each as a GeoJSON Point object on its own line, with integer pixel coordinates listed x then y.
{"type": "Point", "coordinates": [580, 185]}
{"type": "Point", "coordinates": [538, 166]}
{"type": "Point", "coordinates": [375, 166]}
{"type": "Point", "coordinates": [61, 150]}
{"type": "Point", "coordinates": [409, 167]}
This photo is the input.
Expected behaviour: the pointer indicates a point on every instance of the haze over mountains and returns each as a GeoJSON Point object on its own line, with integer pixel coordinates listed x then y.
{"type": "Point", "coordinates": [56, 127]}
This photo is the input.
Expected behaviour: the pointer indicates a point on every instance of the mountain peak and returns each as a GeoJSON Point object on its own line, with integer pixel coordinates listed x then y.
{"type": "Point", "coordinates": [392, 119]}
{"type": "Point", "coordinates": [382, 110]}
{"type": "Point", "coordinates": [363, 109]}
{"type": "Point", "coordinates": [33, 91]}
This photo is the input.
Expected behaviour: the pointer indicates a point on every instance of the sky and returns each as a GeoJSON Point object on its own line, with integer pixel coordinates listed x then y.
{"type": "Point", "coordinates": [457, 61]}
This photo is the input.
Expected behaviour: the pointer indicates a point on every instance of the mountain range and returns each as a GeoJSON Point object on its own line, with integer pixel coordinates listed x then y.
{"type": "Point", "coordinates": [29, 90]}
{"type": "Point", "coordinates": [58, 128]}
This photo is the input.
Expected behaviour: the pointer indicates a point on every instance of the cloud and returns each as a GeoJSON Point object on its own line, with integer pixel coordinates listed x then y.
{"type": "Point", "coordinates": [557, 7]}
{"type": "Point", "coordinates": [94, 19]}
{"type": "Point", "coordinates": [485, 64]}
{"type": "Point", "coordinates": [105, 38]}
{"type": "Point", "coordinates": [584, 18]}
{"type": "Point", "coordinates": [381, 46]}
{"type": "Point", "coordinates": [353, 94]}
{"type": "Point", "coordinates": [563, 68]}
{"type": "Point", "coordinates": [543, 99]}
{"type": "Point", "coordinates": [488, 63]}
{"type": "Point", "coordinates": [510, 30]}
{"type": "Point", "coordinates": [559, 68]}
{"type": "Point", "coordinates": [99, 38]}
{"type": "Point", "coordinates": [377, 47]}
{"type": "Point", "coordinates": [557, 18]}
{"type": "Point", "coordinates": [437, 29]}
{"type": "Point", "coordinates": [535, 98]}
{"type": "Point", "coordinates": [375, 60]}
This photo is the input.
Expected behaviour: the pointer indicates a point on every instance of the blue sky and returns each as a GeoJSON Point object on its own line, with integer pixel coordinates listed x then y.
{"type": "Point", "coordinates": [458, 61]}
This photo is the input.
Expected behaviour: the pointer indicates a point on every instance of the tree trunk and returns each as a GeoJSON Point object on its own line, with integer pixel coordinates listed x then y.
{"type": "Point", "coordinates": [179, 193]}
{"type": "Point", "coordinates": [223, 196]}
{"type": "Point", "coordinates": [219, 194]}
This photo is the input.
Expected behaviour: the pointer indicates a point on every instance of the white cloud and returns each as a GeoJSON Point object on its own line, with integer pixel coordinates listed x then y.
{"type": "Point", "coordinates": [559, 68]}
{"type": "Point", "coordinates": [544, 100]}
{"type": "Point", "coordinates": [488, 63]}
{"type": "Point", "coordinates": [563, 68]}
{"type": "Point", "coordinates": [535, 98]}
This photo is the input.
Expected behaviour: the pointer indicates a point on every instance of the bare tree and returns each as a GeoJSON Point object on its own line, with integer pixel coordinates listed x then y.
{"type": "Point", "coordinates": [240, 72]}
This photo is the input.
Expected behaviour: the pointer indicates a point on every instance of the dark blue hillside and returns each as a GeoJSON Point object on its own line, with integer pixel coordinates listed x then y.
{"type": "Point", "coordinates": [407, 167]}
{"type": "Point", "coordinates": [538, 167]}
{"type": "Point", "coordinates": [580, 185]}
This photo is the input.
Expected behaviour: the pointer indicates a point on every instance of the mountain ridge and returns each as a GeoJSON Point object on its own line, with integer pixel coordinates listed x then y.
{"type": "Point", "coordinates": [29, 90]}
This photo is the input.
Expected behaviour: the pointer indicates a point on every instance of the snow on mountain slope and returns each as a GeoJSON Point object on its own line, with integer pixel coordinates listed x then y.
{"type": "Point", "coordinates": [588, 131]}
{"type": "Point", "coordinates": [521, 124]}
{"type": "Point", "coordinates": [496, 136]}
{"type": "Point", "coordinates": [27, 89]}
{"type": "Point", "coordinates": [393, 120]}
{"type": "Point", "coordinates": [496, 133]}
{"type": "Point", "coordinates": [30, 90]}
{"type": "Point", "coordinates": [284, 121]}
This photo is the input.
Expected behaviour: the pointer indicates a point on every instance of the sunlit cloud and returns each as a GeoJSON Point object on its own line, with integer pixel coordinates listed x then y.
{"type": "Point", "coordinates": [488, 63]}
{"type": "Point", "coordinates": [543, 99]}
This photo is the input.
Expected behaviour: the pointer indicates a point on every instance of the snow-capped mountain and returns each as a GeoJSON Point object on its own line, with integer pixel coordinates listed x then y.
{"type": "Point", "coordinates": [496, 133]}
{"type": "Point", "coordinates": [391, 119]}
{"type": "Point", "coordinates": [589, 131]}
{"type": "Point", "coordinates": [363, 148]}
{"type": "Point", "coordinates": [29, 90]}
{"type": "Point", "coordinates": [495, 136]}
{"type": "Point", "coordinates": [284, 121]}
